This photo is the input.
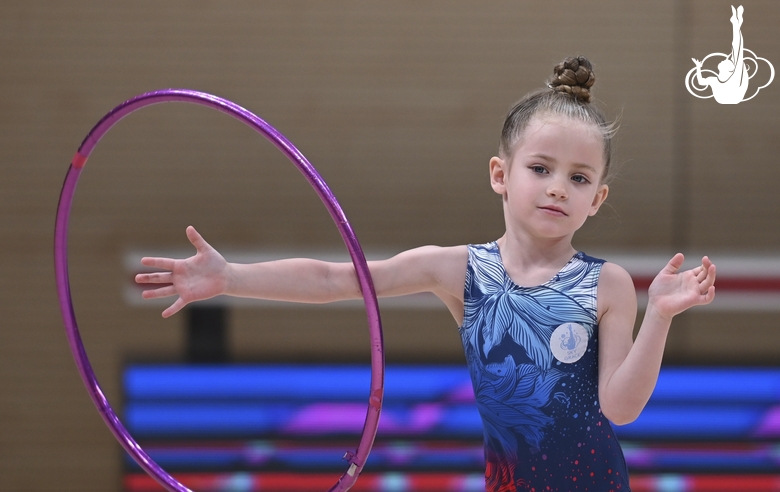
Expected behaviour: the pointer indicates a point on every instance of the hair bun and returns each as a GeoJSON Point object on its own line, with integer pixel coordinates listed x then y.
{"type": "Point", "coordinates": [573, 76]}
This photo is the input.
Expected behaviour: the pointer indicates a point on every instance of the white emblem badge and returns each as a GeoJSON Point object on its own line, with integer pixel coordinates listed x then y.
{"type": "Point", "coordinates": [569, 342]}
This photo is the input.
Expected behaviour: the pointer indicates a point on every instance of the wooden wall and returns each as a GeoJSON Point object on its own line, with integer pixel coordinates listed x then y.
{"type": "Point", "coordinates": [399, 105]}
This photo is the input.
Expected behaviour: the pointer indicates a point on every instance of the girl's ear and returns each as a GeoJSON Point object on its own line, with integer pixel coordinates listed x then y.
{"type": "Point", "coordinates": [498, 175]}
{"type": "Point", "coordinates": [601, 195]}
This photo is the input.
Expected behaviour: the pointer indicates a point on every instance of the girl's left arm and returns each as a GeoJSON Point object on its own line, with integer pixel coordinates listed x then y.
{"type": "Point", "coordinates": [628, 369]}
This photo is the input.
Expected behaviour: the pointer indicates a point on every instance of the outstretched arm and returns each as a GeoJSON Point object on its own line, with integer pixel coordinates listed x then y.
{"type": "Point", "coordinates": [628, 370]}
{"type": "Point", "coordinates": [207, 274]}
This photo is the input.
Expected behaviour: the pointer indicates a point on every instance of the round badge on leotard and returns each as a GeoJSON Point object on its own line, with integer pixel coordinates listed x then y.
{"type": "Point", "coordinates": [569, 342]}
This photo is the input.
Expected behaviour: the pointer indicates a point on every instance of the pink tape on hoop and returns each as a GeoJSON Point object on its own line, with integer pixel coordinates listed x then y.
{"type": "Point", "coordinates": [78, 160]}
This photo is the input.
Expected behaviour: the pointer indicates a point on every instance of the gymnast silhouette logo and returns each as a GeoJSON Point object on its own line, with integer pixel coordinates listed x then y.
{"type": "Point", "coordinates": [569, 342]}
{"type": "Point", "coordinates": [735, 70]}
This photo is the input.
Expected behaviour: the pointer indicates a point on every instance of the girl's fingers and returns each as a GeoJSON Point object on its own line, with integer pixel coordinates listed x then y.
{"type": "Point", "coordinates": [705, 271]}
{"type": "Point", "coordinates": [174, 308]}
{"type": "Point", "coordinates": [196, 239]}
{"type": "Point", "coordinates": [168, 290]}
{"type": "Point", "coordinates": [706, 279]}
{"type": "Point", "coordinates": [675, 263]}
{"type": "Point", "coordinates": [709, 295]}
{"type": "Point", "coordinates": [154, 278]}
{"type": "Point", "coordinates": [162, 263]}
{"type": "Point", "coordinates": [709, 281]}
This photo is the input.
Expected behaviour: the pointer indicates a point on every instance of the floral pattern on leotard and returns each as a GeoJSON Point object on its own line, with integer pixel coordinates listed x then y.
{"type": "Point", "coordinates": [537, 412]}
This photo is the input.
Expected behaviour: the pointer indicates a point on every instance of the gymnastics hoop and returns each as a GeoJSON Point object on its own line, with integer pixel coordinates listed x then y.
{"type": "Point", "coordinates": [357, 459]}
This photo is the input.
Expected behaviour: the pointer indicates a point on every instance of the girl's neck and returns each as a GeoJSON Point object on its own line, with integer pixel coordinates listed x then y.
{"type": "Point", "coordinates": [531, 261]}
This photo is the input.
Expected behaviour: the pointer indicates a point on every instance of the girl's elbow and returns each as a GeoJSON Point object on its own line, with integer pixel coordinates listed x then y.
{"type": "Point", "coordinates": [624, 420]}
{"type": "Point", "coordinates": [621, 416]}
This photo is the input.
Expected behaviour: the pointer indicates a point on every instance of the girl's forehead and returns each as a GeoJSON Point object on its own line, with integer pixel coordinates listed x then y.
{"type": "Point", "coordinates": [560, 135]}
{"type": "Point", "coordinates": [552, 125]}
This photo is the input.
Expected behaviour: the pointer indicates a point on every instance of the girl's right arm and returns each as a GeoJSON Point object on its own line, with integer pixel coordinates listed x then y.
{"type": "Point", "coordinates": [207, 274]}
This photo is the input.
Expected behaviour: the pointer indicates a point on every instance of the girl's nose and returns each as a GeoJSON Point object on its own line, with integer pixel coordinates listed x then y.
{"type": "Point", "coordinates": [557, 190]}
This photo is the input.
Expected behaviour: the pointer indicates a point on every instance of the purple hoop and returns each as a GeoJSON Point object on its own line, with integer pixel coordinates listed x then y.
{"type": "Point", "coordinates": [356, 460]}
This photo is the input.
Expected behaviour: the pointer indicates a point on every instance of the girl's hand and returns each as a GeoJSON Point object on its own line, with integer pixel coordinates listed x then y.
{"type": "Point", "coordinates": [696, 62]}
{"type": "Point", "coordinates": [196, 278]}
{"type": "Point", "coordinates": [673, 292]}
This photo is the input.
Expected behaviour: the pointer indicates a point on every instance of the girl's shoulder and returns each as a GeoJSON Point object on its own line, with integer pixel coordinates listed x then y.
{"type": "Point", "coordinates": [615, 287]}
{"type": "Point", "coordinates": [440, 262]}
{"type": "Point", "coordinates": [614, 275]}
{"type": "Point", "coordinates": [443, 253]}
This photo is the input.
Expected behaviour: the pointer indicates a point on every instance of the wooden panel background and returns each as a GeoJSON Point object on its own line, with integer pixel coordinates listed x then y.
{"type": "Point", "coordinates": [399, 105]}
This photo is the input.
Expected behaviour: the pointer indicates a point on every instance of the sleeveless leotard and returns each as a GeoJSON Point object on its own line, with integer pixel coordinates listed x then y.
{"type": "Point", "coordinates": [533, 357]}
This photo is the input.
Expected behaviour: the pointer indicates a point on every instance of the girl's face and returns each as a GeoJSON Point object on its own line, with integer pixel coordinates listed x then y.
{"type": "Point", "coordinates": [553, 180]}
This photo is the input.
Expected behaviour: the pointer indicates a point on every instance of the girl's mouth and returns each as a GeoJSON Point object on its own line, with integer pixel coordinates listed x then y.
{"type": "Point", "coordinates": [554, 210]}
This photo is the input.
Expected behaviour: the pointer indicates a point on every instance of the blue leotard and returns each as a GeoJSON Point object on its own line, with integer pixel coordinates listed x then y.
{"type": "Point", "coordinates": [533, 357]}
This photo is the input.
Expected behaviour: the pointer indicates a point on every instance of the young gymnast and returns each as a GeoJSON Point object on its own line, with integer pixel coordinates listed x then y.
{"type": "Point", "coordinates": [547, 330]}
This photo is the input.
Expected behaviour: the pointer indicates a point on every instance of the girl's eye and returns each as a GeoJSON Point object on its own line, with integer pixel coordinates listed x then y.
{"type": "Point", "coordinates": [579, 178]}
{"type": "Point", "coordinates": [538, 169]}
